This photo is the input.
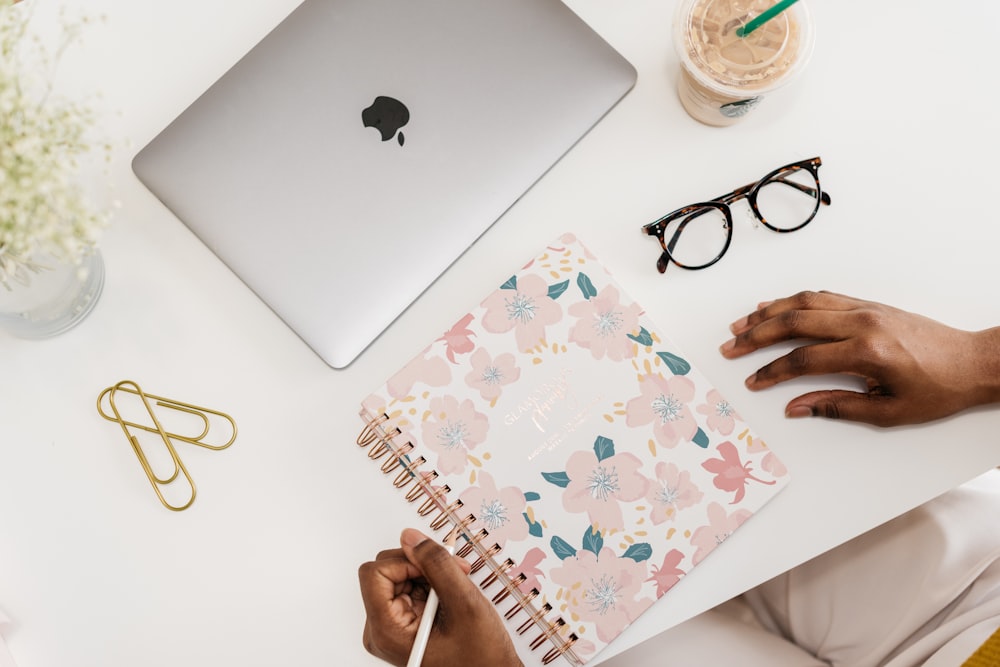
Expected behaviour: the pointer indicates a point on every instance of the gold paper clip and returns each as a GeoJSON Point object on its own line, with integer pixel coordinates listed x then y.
{"type": "Point", "coordinates": [167, 437]}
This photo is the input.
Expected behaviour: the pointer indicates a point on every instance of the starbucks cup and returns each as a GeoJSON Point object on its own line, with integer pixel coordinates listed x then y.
{"type": "Point", "coordinates": [723, 75]}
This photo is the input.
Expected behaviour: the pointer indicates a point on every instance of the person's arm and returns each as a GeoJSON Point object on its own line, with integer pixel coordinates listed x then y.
{"type": "Point", "coordinates": [915, 369]}
{"type": "Point", "coordinates": [394, 587]}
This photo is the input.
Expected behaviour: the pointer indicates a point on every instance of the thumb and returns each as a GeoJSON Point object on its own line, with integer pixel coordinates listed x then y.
{"type": "Point", "coordinates": [446, 574]}
{"type": "Point", "coordinates": [875, 409]}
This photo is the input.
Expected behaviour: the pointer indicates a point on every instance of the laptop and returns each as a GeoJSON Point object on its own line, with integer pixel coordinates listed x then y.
{"type": "Point", "coordinates": [345, 162]}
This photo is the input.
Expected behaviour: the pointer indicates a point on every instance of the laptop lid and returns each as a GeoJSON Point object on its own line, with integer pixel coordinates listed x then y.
{"type": "Point", "coordinates": [363, 145]}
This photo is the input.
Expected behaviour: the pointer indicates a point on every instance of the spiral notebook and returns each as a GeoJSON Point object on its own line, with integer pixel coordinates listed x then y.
{"type": "Point", "coordinates": [587, 465]}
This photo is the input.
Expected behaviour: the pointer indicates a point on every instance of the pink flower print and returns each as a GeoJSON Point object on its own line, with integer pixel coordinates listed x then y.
{"type": "Point", "coordinates": [452, 429]}
{"type": "Point", "coordinates": [598, 486]}
{"type": "Point", "coordinates": [569, 239]}
{"type": "Point", "coordinates": [670, 492]}
{"type": "Point", "coordinates": [458, 339]}
{"type": "Point", "coordinates": [603, 589]}
{"type": "Point", "coordinates": [584, 648]}
{"type": "Point", "coordinates": [773, 465]}
{"type": "Point", "coordinates": [663, 403]}
{"type": "Point", "coordinates": [770, 463]}
{"type": "Point", "coordinates": [721, 414]}
{"type": "Point", "coordinates": [720, 526]}
{"type": "Point", "coordinates": [527, 310]}
{"type": "Point", "coordinates": [603, 325]}
{"type": "Point", "coordinates": [433, 372]}
{"type": "Point", "coordinates": [499, 511]}
{"type": "Point", "coordinates": [731, 474]}
{"type": "Point", "coordinates": [529, 568]}
{"type": "Point", "coordinates": [667, 574]}
{"type": "Point", "coordinates": [489, 375]}
{"type": "Point", "coordinates": [374, 404]}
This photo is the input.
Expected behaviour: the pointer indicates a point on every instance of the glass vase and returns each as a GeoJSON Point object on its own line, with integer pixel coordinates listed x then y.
{"type": "Point", "coordinates": [55, 297]}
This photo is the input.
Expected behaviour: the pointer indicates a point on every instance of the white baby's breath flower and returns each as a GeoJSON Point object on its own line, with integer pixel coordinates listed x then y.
{"type": "Point", "coordinates": [43, 207]}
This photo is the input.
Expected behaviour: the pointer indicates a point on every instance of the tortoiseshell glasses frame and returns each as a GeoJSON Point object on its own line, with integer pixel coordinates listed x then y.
{"type": "Point", "coordinates": [720, 206]}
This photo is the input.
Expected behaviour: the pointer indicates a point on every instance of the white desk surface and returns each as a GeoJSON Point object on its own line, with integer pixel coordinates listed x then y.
{"type": "Point", "coordinates": [262, 569]}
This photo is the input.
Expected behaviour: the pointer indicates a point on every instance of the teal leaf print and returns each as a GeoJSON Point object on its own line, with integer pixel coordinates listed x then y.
{"type": "Point", "coordinates": [638, 552]}
{"type": "Point", "coordinates": [560, 548]}
{"type": "Point", "coordinates": [676, 365]}
{"type": "Point", "coordinates": [604, 448]}
{"type": "Point", "coordinates": [534, 528]}
{"type": "Point", "coordinates": [557, 478]}
{"type": "Point", "coordinates": [701, 439]}
{"type": "Point", "coordinates": [643, 338]}
{"type": "Point", "coordinates": [587, 287]}
{"type": "Point", "coordinates": [593, 540]}
{"type": "Point", "coordinates": [510, 284]}
{"type": "Point", "coordinates": [531, 495]}
{"type": "Point", "coordinates": [555, 291]}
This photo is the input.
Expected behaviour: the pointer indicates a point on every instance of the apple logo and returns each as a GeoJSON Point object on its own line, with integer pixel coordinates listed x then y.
{"type": "Point", "coordinates": [386, 115]}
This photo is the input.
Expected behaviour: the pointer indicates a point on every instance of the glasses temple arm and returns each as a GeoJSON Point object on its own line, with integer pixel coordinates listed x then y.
{"type": "Point", "coordinates": [824, 197]}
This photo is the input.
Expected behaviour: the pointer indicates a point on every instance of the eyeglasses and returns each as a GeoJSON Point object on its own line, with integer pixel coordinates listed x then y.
{"type": "Point", "coordinates": [697, 236]}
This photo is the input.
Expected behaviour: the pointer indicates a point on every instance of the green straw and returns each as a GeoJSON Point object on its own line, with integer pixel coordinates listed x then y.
{"type": "Point", "coordinates": [766, 16]}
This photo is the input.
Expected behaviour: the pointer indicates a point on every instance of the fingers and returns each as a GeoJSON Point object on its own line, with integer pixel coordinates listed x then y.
{"type": "Point", "coordinates": [389, 553]}
{"type": "Point", "coordinates": [831, 324]}
{"type": "Point", "coordinates": [916, 368]}
{"type": "Point", "coordinates": [466, 623]}
{"type": "Point", "coordinates": [391, 614]}
{"type": "Point", "coordinates": [829, 301]}
{"type": "Point", "coordinates": [383, 580]}
{"type": "Point", "coordinates": [807, 315]}
{"type": "Point", "coordinates": [442, 570]}
{"type": "Point", "coordinates": [788, 325]}
{"type": "Point", "coordinates": [394, 590]}
{"type": "Point", "coordinates": [845, 358]}
{"type": "Point", "coordinates": [874, 409]}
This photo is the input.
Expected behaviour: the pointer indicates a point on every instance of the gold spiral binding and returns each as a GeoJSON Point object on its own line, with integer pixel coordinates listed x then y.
{"type": "Point", "coordinates": [471, 544]}
{"type": "Point", "coordinates": [408, 473]}
{"type": "Point", "coordinates": [446, 514]}
{"type": "Point", "coordinates": [509, 588]}
{"type": "Point", "coordinates": [370, 431]}
{"type": "Point", "coordinates": [379, 437]}
{"type": "Point", "coordinates": [553, 628]}
{"type": "Point", "coordinates": [379, 450]}
{"type": "Point", "coordinates": [463, 528]}
{"type": "Point", "coordinates": [396, 459]}
{"type": "Point", "coordinates": [534, 619]}
{"type": "Point", "coordinates": [562, 649]}
{"type": "Point", "coordinates": [521, 604]}
{"type": "Point", "coordinates": [496, 573]}
{"type": "Point", "coordinates": [485, 558]}
{"type": "Point", "coordinates": [433, 499]}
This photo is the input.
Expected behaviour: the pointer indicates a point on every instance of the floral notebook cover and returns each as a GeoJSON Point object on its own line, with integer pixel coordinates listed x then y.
{"type": "Point", "coordinates": [594, 454]}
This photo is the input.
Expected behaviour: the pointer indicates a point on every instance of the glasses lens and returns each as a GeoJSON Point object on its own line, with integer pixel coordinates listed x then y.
{"type": "Point", "coordinates": [789, 199]}
{"type": "Point", "coordinates": [698, 238]}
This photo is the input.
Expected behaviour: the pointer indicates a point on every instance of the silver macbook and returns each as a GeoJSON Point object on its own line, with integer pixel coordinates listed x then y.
{"type": "Point", "coordinates": [363, 145]}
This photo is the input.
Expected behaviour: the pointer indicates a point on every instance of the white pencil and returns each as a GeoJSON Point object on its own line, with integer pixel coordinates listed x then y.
{"type": "Point", "coordinates": [427, 620]}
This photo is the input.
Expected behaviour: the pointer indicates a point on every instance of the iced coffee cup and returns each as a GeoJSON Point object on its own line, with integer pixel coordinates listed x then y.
{"type": "Point", "coordinates": [725, 75]}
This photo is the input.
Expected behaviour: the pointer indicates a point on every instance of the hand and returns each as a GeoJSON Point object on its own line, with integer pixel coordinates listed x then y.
{"type": "Point", "coordinates": [915, 369]}
{"type": "Point", "coordinates": [467, 628]}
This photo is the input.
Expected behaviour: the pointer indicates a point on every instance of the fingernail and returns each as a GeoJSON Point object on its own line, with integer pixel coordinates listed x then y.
{"type": "Point", "coordinates": [411, 537]}
{"type": "Point", "coordinates": [739, 324]}
{"type": "Point", "coordinates": [799, 411]}
{"type": "Point", "coordinates": [751, 381]}
{"type": "Point", "coordinates": [728, 346]}
{"type": "Point", "coordinates": [764, 304]}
